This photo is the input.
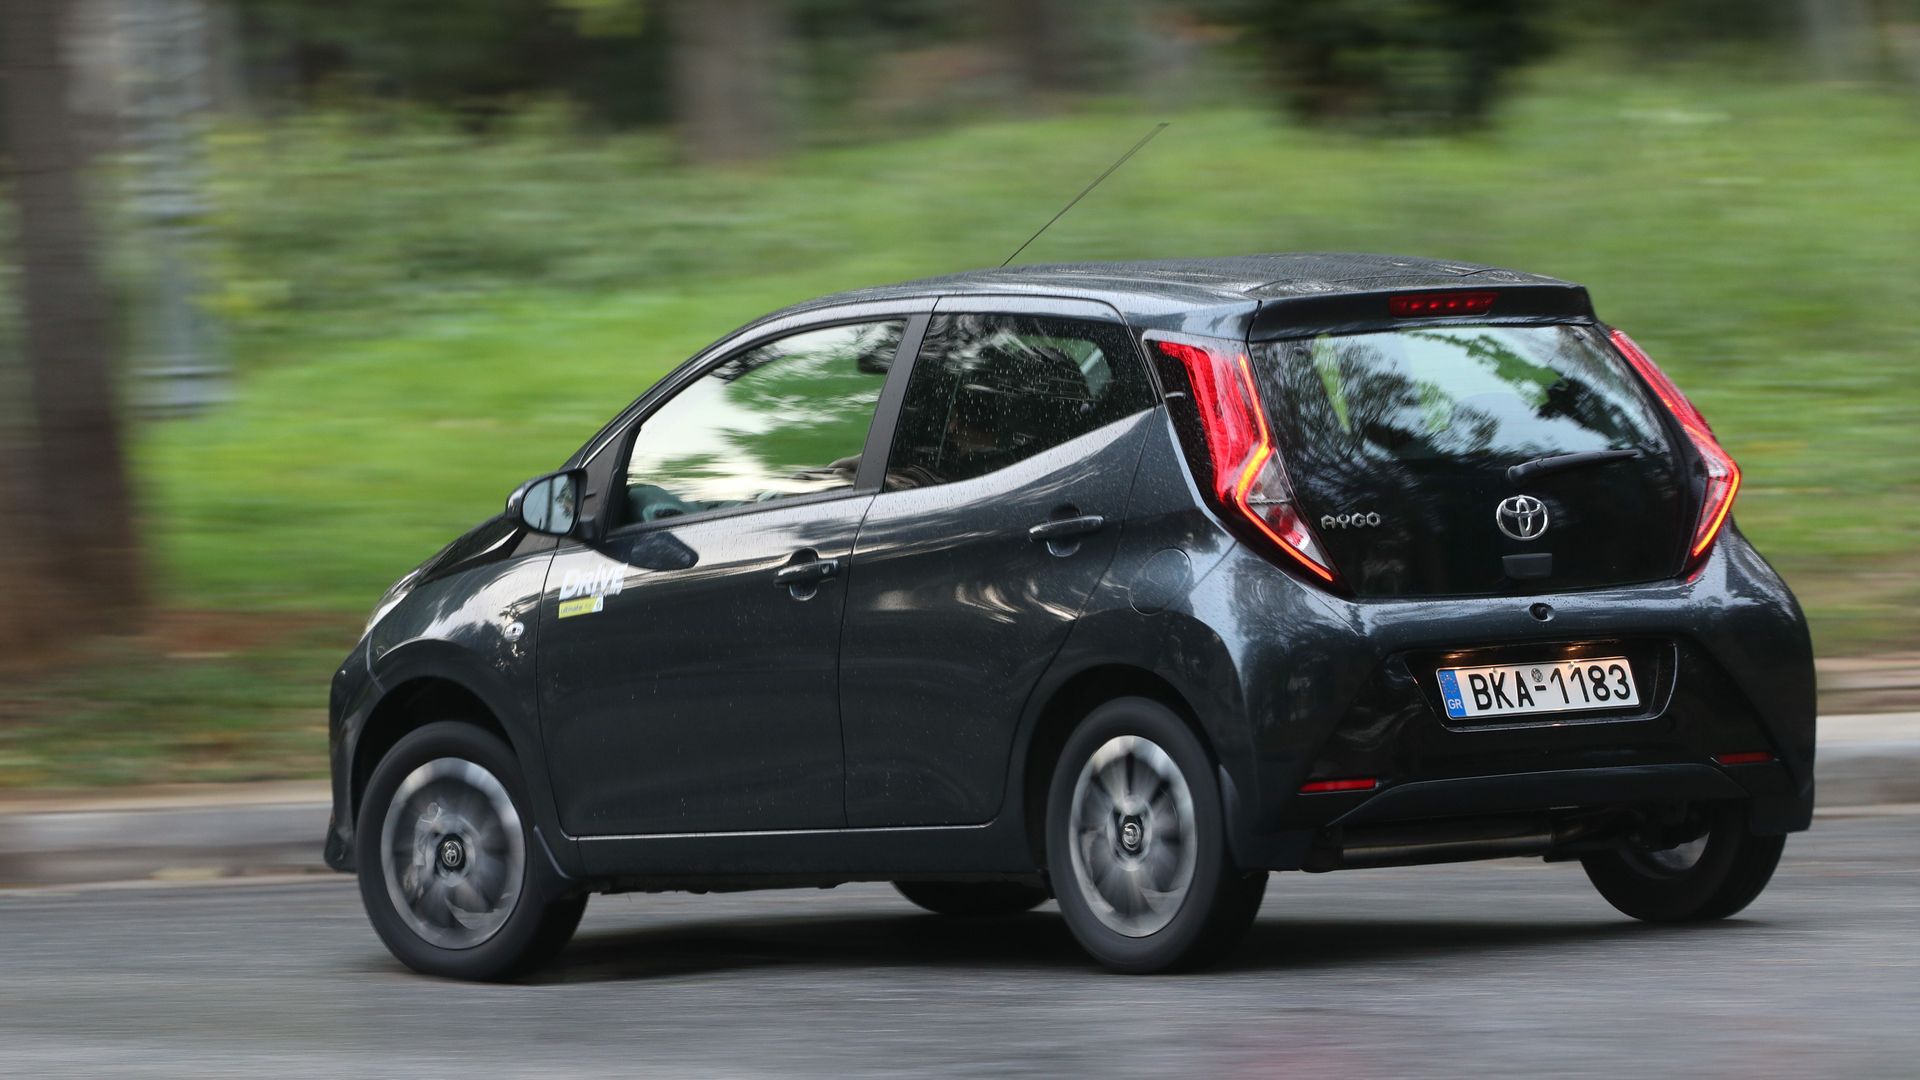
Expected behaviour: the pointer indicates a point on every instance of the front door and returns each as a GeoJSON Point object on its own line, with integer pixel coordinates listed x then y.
{"type": "Point", "coordinates": [1012, 463]}
{"type": "Point", "coordinates": [688, 663]}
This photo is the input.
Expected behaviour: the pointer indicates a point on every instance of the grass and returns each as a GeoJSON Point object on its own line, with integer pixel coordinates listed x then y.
{"type": "Point", "coordinates": [422, 319]}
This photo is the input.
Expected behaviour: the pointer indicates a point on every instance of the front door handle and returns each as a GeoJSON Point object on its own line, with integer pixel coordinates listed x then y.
{"type": "Point", "coordinates": [1052, 532]}
{"type": "Point", "coordinates": [802, 574]}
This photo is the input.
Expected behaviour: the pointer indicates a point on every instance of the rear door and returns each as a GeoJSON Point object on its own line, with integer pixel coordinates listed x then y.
{"type": "Point", "coordinates": [1012, 461]}
{"type": "Point", "coordinates": [1402, 445]}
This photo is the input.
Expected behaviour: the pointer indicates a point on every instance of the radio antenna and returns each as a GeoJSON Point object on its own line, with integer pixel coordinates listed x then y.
{"type": "Point", "coordinates": [1111, 169]}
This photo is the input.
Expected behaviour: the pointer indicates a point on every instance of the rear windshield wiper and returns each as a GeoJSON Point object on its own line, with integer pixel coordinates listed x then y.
{"type": "Point", "coordinates": [1557, 463]}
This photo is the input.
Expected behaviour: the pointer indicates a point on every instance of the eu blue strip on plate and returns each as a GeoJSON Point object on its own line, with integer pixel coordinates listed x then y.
{"type": "Point", "coordinates": [1450, 690]}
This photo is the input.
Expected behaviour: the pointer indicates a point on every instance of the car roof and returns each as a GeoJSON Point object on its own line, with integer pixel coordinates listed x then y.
{"type": "Point", "coordinates": [1153, 286]}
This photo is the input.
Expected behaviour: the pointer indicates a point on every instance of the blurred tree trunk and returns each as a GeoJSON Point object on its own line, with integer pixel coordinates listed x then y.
{"type": "Point", "coordinates": [1041, 43]}
{"type": "Point", "coordinates": [77, 521]}
{"type": "Point", "coordinates": [1839, 37]}
{"type": "Point", "coordinates": [729, 57]}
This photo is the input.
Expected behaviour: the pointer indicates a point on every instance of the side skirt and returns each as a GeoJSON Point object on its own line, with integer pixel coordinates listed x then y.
{"type": "Point", "coordinates": [801, 857]}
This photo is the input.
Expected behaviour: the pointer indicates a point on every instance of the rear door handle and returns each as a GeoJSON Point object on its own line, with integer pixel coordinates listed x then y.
{"type": "Point", "coordinates": [806, 573]}
{"type": "Point", "coordinates": [1049, 532]}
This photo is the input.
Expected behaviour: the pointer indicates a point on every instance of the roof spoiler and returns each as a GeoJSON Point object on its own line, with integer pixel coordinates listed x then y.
{"type": "Point", "coordinates": [1384, 309]}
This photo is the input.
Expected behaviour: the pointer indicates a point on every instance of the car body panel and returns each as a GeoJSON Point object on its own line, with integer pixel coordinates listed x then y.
{"type": "Point", "coordinates": [735, 725]}
{"type": "Point", "coordinates": [954, 613]}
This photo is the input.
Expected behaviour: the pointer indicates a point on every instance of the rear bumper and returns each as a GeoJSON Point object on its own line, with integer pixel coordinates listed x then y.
{"type": "Point", "coordinates": [1334, 689]}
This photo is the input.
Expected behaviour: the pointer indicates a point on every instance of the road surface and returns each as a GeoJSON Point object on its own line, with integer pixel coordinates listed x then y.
{"type": "Point", "coordinates": [1512, 969]}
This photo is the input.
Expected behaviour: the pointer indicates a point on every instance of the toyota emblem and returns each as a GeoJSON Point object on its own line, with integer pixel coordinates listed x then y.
{"type": "Point", "coordinates": [1522, 517]}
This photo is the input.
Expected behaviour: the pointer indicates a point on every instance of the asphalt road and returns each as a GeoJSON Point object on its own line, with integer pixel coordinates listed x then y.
{"type": "Point", "coordinates": [1496, 969]}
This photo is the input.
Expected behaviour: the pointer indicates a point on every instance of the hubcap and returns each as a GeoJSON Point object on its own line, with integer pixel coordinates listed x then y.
{"type": "Point", "coordinates": [1132, 836]}
{"type": "Point", "coordinates": [456, 859]}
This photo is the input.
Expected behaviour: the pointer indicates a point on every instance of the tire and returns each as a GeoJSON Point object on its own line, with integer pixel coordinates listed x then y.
{"type": "Point", "coordinates": [471, 895]}
{"type": "Point", "coordinates": [1165, 894]}
{"type": "Point", "coordinates": [973, 899]}
{"type": "Point", "coordinates": [1710, 878]}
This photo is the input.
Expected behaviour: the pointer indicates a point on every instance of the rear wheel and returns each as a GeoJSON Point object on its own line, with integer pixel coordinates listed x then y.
{"type": "Point", "coordinates": [1711, 877]}
{"type": "Point", "coordinates": [1136, 843]}
{"type": "Point", "coordinates": [450, 871]}
{"type": "Point", "coordinates": [973, 899]}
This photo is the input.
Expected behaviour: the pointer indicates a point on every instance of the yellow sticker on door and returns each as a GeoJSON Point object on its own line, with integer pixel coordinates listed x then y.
{"type": "Point", "coordinates": [586, 605]}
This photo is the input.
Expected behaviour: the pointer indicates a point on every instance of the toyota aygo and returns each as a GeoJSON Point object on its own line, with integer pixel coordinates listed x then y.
{"type": "Point", "coordinates": [1121, 585]}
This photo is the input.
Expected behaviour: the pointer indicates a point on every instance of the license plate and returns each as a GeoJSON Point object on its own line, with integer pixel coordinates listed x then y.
{"type": "Point", "coordinates": [1601, 682]}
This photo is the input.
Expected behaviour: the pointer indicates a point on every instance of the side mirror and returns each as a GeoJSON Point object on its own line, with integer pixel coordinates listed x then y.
{"type": "Point", "coordinates": [548, 504]}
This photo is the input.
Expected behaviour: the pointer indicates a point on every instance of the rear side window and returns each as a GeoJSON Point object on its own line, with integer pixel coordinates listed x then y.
{"type": "Point", "coordinates": [991, 390]}
{"type": "Point", "coordinates": [1493, 394]}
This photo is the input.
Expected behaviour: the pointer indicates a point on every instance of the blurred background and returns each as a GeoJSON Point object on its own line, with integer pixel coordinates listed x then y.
{"type": "Point", "coordinates": [299, 289]}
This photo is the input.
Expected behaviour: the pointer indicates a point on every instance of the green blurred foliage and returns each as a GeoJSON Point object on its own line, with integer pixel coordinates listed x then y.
{"type": "Point", "coordinates": [1394, 65]}
{"type": "Point", "coordinates": [427, 317]}
{"type": "Point", "coordinates": [479, 59]}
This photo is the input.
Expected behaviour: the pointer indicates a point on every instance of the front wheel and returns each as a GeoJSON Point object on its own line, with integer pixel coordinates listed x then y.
{"type": "Point", "coordinates": [450, 870]}
{"type": "Point", "coordinates": [1710, 877]}
{"type": "Point", "coordinates": [1136, 843]}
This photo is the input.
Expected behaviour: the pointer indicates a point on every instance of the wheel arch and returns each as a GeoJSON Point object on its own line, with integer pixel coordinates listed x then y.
{"type": "Point", "coordinates": [413, 704]}
{"type": "Point", "coordinates": [1080, 694]}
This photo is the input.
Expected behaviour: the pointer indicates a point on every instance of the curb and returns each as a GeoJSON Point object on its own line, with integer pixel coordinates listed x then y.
{"type": "Point", "coordinates": [61, 847]}
{"type": "Point", "coordinates": [246, 830]}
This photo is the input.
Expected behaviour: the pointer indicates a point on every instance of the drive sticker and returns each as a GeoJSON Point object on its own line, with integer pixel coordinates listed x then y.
{"type": "Point", "coordinates": [1450, 690]}
{"type": "Point", "coordinates": [601, 581]}
{"type": "Point", "coordinates": [586, 605]}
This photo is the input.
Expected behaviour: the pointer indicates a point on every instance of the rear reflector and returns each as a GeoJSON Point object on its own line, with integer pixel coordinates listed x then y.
{"type": "Point", "coordinates": [1427, 305]}
{"type": "Point", "coordinates": [1723, 476]}
{"type": "Point", "coordinates": [1752, 757]}
{"type": "Point", "coordinates": [1248, 482]}
{"type": "Point", "coordinates": [1319, 787]}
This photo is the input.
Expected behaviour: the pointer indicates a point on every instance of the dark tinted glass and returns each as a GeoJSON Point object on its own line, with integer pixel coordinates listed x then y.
{"type": "Point", "coordinates": [782, 419]}
{"type": "Point", "coordinates": [991, 390]}
{"type": "Point", "coordinates": [1481, 392]}
{"type": "Point", "coordinates": [1398, 445]}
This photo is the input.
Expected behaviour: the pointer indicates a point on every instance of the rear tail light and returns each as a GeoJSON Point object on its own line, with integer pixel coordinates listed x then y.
{"type": "Point", "coordinates": [1723, 476]}
{"type": "Point", "coordinates": [1244, 474]}
{"type": "Point", "coordinates": [1745, 757]}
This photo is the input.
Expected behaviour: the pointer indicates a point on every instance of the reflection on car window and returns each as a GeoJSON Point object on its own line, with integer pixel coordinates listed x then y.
{"type": "Point", "coordinates": [1454, 394]}
{"type": "Point", "coordinates": [782, 419]}
{"type": "Point", "coordinates": [991, 390]}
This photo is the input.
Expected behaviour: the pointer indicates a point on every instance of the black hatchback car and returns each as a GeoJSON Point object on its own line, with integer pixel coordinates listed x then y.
{"type": "Point", "coordinates": [1120, 584]}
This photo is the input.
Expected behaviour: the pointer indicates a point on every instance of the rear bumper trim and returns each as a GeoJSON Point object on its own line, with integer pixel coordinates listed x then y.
{"type": "Point", "coordinates": [1545, 790]}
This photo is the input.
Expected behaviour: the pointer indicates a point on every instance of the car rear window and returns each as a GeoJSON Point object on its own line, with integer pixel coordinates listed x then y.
{"type": "Point", "coordinates": [1478, 393]}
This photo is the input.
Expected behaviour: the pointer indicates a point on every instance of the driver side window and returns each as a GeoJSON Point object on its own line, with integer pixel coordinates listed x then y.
{"type": "Point", "coordinates": [785, 418]}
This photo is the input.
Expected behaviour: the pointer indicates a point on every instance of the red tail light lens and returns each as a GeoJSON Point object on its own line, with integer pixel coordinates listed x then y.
{"type": "Point", "coordinates": [1247, 478]}
{"type": "Point", "coordinates": [1723, 476]}
{"type": "Point", "coordinates": [1429, 305]}
{"type": "Point", "coordinates": [1321, 787]}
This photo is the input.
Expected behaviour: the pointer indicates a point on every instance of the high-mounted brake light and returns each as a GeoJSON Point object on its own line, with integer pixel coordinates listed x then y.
{"type": "Point", "coordinates": [1248, 479]}
{"type": "Point", "coordinates": [1416, 305]}
{"type": "Point", "coordinates": [1723, 476]}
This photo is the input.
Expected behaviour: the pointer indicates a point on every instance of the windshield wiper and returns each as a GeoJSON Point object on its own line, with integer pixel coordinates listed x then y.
{"type": "Point", "coordinates": [1558, 463]}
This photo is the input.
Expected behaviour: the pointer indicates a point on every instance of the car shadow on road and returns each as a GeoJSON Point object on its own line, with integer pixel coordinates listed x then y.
{"type": "Point", "coordinates": [1037, 941]}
